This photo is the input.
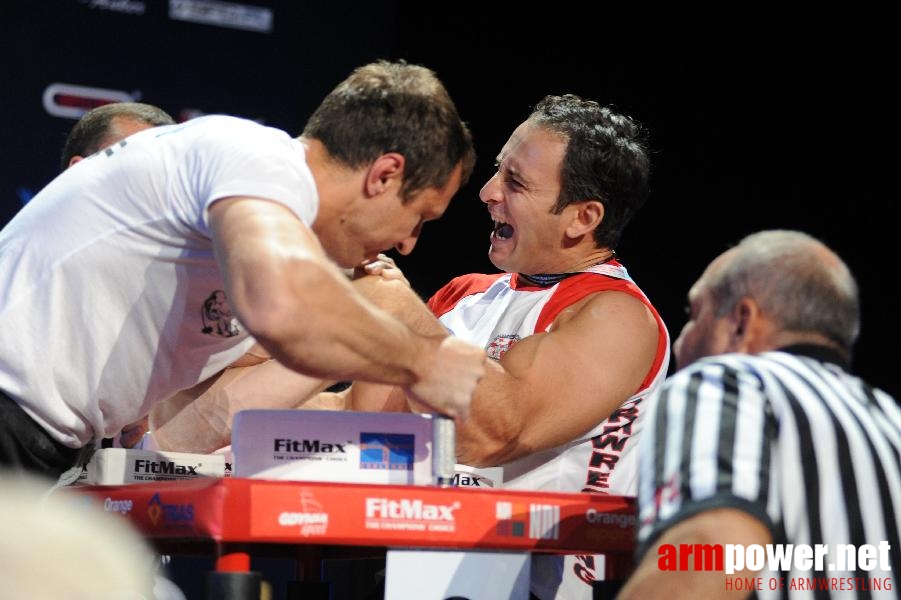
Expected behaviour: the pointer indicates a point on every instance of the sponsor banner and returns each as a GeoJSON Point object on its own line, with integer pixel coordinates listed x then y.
{"type": "Point", "coordinates": [255, 510]}
{"type": "Point", "coordinates": [158, 513]}
{"type": "Point", "coordinates": [288, 511]}
{"type": "Point", "coordinates": [127, 7]}
{"type": "Point", "coordinates": [71, 101]}
{"type": "Point", "coordinates": [404, 515]}
{"type": "Point", "coordinates": [223, 14]}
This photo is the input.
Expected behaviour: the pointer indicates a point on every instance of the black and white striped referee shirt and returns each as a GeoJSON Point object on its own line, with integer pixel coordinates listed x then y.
{"type": "Point", "coordinates": [793, 439]}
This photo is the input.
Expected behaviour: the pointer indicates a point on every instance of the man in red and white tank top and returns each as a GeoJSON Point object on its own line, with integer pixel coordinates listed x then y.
{"type": "Point", "coordinates": [576, 345]}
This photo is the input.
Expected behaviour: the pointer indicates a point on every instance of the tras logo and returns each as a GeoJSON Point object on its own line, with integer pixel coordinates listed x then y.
{"type": "Point", "coordinates": [160, 512]}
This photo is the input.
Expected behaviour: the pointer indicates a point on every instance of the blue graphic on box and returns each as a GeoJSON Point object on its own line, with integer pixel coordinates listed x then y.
{"type": "Point", "coordinates": [391, 451]}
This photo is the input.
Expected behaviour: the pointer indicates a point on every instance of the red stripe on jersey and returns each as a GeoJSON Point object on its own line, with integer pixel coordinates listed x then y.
{"type": "Point", "coordinates": [575, 288]}
{"type": "Point", "coordinates": [458, 288]}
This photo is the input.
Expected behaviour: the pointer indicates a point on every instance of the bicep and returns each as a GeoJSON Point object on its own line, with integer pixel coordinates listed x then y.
{"type": "Point", "coordinates": [590, 362]}
{"type": "Point", "coordinates": [269, 259]}
{"type": "Point", "coordinates": [258, 245]}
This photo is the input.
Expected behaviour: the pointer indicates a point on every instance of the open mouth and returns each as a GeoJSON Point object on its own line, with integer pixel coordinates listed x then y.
{"type": "Point", "coordinates": [502, 231]}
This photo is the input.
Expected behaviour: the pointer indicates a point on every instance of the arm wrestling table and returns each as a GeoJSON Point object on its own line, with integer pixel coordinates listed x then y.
{"type": "Point", "coordinates": [234, 518]}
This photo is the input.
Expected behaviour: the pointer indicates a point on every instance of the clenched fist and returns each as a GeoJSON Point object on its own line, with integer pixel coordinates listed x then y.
{"type": "Point", "coordinates": [448, 385]}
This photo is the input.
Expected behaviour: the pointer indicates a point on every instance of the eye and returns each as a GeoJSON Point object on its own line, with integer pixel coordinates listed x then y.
{"type": "Point", "coordinates": [512, 182]}
{"type": "Point", "coordinates": [508, 177]}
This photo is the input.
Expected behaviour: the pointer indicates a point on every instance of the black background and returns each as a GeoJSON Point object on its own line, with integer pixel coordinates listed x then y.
{"type": "Point", "coordinates": [757, 119]}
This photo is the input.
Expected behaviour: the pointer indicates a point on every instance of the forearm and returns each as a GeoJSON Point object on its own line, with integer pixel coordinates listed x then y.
{"type": "Point", "coordinates": [395, 296]}
{"type": "Point", "coordinates": [717, 526]}
{"type": "Point", "coordinates": [200, 419]}
{"type": "Point", "coordinates": [325, 401]}
{"type": "Point", "coordinates": [648, 582]}
{"type": "Point", "coordinates": [343, 336]}
{"type": "Point", "coordinates": [398, 299]}
{"type": "Point", "coordinates": [181, 424]}
{"type": "Point", "coordinates": [324, 328]}
{"type": "Point", "coordinates": [491, 435]}
{"type": "Point", "coordinates": [556, 387]}
{"type": "Point", "coordinates": [301, 307]}
{"type": "Point", "coordinates": [494, 433]}
{"type": "Point", "coordinates": [374, 397]}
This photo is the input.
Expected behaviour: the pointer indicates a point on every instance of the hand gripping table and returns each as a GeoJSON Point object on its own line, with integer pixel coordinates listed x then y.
{"type": "Point", "coordinates": [235, 518]}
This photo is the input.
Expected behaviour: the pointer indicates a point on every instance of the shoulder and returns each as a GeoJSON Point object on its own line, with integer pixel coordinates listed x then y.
{"type": "Point", "coordinates": [603, 278]}
{"type": "Point", "coordinates": [594, 291]}
{"type": "Point", "coordinates": [238, 132]}
{"type": "Point", "coordinates": [725, 374]}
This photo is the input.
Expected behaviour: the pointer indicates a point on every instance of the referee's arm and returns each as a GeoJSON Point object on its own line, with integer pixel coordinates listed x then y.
{"type": "Point", "coordinates": [717, 526]}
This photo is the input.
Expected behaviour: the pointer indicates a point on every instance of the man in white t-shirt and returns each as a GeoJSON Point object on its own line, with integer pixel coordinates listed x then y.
{"type": "Point", "coordinates": [98, 128]}
{"type": "Point", "coordinates": [112, 277]}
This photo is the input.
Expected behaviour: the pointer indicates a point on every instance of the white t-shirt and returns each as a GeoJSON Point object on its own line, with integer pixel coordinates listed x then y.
{"type": "Point", "coordinates": [110, 295]}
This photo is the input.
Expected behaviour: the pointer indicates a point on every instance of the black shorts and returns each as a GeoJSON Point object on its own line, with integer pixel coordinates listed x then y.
{"type": "Point", "coordinates": [26, 446]}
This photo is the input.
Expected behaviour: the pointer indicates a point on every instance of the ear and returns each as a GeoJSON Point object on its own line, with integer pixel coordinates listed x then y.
{"type": "Point", "coordinates": [386, 172]}
{"type": "Point", "coordinates": [749, 327]}
{"type": "Point", "coordinates": [587, 217]}
{"type": "Point", "coordinates": [75, 159]}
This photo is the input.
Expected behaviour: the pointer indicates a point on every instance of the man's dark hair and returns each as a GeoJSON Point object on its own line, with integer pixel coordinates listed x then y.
{"type": "Point", "coordinates": [395, 107]}
{"type": "Point", "coordinates": [96, 128]}
{"type": "Point", "coordinates": [606, 160]}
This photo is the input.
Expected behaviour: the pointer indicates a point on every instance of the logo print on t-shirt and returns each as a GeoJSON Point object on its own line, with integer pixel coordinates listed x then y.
{"type": "Point", "coordinates": [217, 316]}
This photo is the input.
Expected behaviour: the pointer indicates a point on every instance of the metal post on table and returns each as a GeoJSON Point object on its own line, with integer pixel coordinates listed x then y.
{"type": "Point", "coordinates": [444, 450]}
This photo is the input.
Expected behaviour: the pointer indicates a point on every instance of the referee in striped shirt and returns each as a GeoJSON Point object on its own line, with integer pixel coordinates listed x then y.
{"type": "Point", "coordinates": [770, 441]}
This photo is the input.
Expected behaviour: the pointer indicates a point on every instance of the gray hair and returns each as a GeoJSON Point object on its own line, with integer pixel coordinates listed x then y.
{"type": "Point", "coordinates": [799, 283]}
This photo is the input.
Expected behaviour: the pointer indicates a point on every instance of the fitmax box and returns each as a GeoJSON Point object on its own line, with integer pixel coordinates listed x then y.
{"type": "Point", "coordinates": [112, 466]}
{"type": "Point", "coordinates": [340, 446]}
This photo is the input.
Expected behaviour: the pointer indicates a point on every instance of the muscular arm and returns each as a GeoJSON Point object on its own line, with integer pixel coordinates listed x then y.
{"type": "Point", "coordinates": [200, 419]}
{"type": "Point", "coordinates": [549, 388]}
{"type": "Point", "coordinates": [302, 309]}
{"type": "Point", "coordinates": [720, 526]}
